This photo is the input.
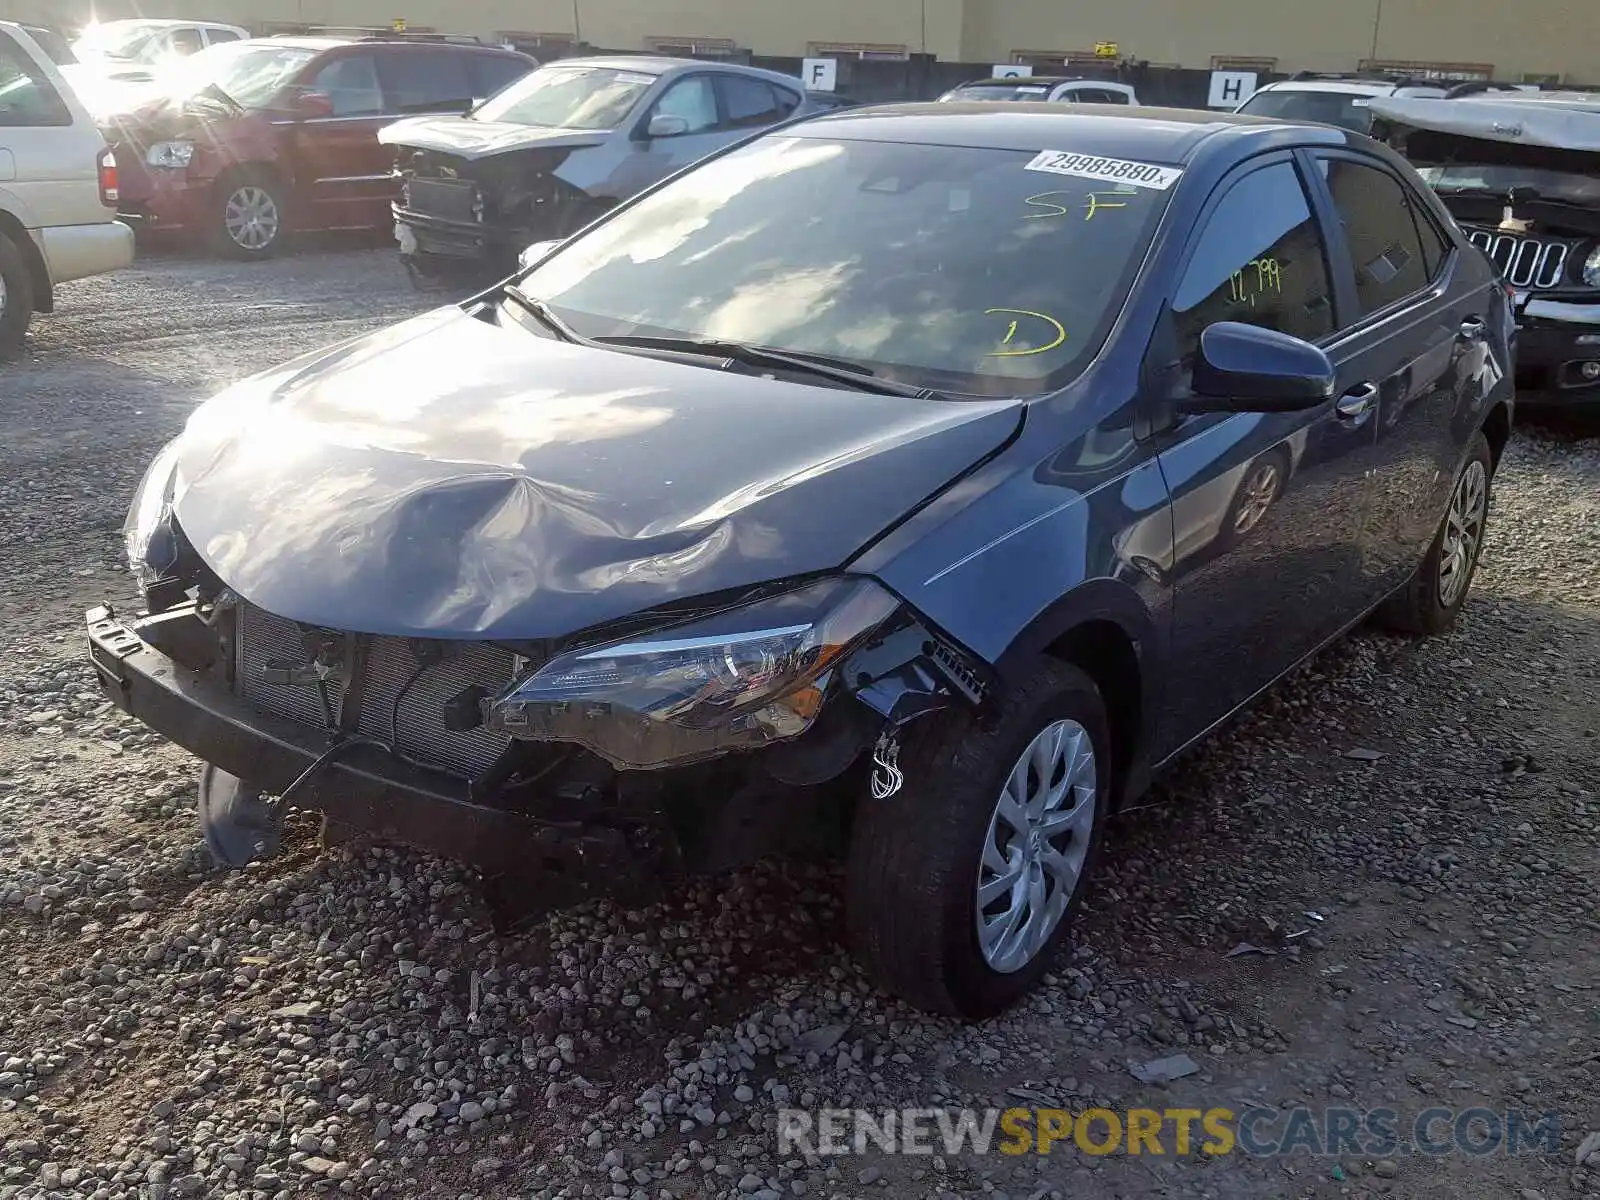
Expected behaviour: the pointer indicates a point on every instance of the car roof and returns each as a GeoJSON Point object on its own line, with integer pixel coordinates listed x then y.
{"type": "Point", "coordinates": [1014, 80]}
{"type": "Point", "coordinates": [164, 22]}
{"type": "Point", "coordinates": [304, 43]}
{"type": "Point", "coordinates": [661, 64]}
{"type": "Point", "coordinates": [1168, 135]}
{"type": "Point", "coordinates": [1358, 87]}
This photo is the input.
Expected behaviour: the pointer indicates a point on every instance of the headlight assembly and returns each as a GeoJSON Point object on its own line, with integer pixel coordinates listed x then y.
{"type": "Point", "coordinates": [1591, 268]}
{"type": "Point", "coordinates": [148, 535]}
{"type": "Point", "coordinates": [172, 156]}
{"type": "Point", "coordinates": [738, 680]}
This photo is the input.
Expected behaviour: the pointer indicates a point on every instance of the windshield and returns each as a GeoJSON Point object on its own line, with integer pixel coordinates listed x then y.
{"type": "Point", "coordinates": [984, 91]}
{"type": "Point", "coordinates": [1327, 108]}
{"type": "Point", "coordinates": [115, 39]}
{"type": "Point", "coordinates": [960, 269]}
{"type": "Point", "coordinates": [251, 73]}
{"type": "Point", "coordinates": [568, 98]}
{"type": "Point", "coordinates": [1551, 185]}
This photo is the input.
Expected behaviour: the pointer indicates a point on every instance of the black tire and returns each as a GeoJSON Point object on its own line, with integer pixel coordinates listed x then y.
{"type": "Point", "coordinates": [252, 189]}
{"type": "Point", "coordinates": [1419, 608]}
{"type": "Point", "coordinates": [16, 297]}
{"type": "Point", "coordinates": [913, 862]}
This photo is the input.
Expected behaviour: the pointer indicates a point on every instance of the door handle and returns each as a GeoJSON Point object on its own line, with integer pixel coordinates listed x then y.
{"type": "Point", "coordinates": [1473, 329]}
{"type": "Point", "coordinates": [1358, 401]}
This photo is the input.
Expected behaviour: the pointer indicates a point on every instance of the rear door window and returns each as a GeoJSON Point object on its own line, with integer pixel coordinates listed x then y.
{"type": "Point", "coordinates": [426, 80]}
{"type": "Point", "coordinates": [749, 103]}
{"type": "Point", "coordinates": [185, 40]}
{"type": "Point", "coordinates": [1260, 261]}
{"type": "Point", "coordinates": [1380, 230]}
{"type": "Point", "coordinates": [351, 83]}
{"type": "Point", "coordinates": [216, 35]}
{"type": "Point", "coordinates": [27, 99]}
{"type": "Point", "coordinates": [495, 71]}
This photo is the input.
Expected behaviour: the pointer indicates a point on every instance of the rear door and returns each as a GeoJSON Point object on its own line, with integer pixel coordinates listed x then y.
{"type": "Point", "coordinates": [1267, 509]}
{"type": "Point", "coordinates": [1420, 324]}
{"type": "Point", "coordinates": [343, 178]}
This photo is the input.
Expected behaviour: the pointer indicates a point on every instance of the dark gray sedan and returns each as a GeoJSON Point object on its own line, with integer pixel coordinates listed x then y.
{"type": "Point", "coordinates": [566, 142]}
{"type": "Point", "coordinates": [927, 475]}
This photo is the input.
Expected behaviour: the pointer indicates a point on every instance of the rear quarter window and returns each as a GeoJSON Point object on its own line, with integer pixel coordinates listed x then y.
{"type": "Point", "coordinates": [27, 98]}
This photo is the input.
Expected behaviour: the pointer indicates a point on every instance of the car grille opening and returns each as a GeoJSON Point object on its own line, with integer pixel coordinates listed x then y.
{"type": "Point", "coordinates": [1524, 261]}
{"type": "Point", "coordinates": [451, 199]}
{"type": "Point", "coordinates": [393, 670]}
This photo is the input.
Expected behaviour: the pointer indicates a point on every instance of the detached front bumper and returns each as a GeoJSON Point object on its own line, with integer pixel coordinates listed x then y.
{"type": "Point", "coordinates": [1558, 347]}
{"type": "Point", "coordinates": [359, 787]}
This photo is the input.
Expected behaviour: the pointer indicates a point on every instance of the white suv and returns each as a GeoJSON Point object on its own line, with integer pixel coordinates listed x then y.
{"type": "Point", "coordinates": [1330, 99]}
{"type": "Point", "coordinates": [58, 188]}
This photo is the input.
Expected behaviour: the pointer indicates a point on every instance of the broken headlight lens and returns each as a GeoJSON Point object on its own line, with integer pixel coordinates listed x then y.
{"type": "Point", "coordinates": [738, 680]}
{"type": "Point", "coordinates": [148, 535]}
{"type": "Point", "coordinates": [1591, 268]}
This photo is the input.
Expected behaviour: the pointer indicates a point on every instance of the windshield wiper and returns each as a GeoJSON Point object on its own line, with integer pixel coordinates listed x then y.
{"type": "Point", "coordinates": [821, 365]}
{"type": "Point", "coordinates": [840, 370]}
{"type": "Point", "coordinates": [544, 314]}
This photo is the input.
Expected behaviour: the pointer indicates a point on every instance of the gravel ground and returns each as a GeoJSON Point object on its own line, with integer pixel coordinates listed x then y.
{"type": "Point", "coordinates": [348, 1022]}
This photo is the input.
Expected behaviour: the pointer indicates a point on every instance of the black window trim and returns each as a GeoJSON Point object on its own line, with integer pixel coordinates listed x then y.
{"type": "Point", "coordinates": [1335, 244]}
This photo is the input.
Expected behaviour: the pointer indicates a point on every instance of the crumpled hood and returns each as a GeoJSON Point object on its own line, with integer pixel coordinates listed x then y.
{"type": "Point", "coordinates": [471, 139]}
{"type": "Point", "coordinates": [452, 478]}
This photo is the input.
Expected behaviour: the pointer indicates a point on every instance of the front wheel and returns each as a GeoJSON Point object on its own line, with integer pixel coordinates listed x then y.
{"type": "Point", "coordinates": [1433, 599]}
{"type": "Point", "coordinates": [16, 297]}
{"type": "Point", "coordinates": [962, 884]}
{"type": "Point", "coordinates": [251, 216]}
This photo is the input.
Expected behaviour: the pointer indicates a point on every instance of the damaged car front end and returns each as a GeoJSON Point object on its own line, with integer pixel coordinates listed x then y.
{"type": "Point", "coordinates": [1520, 172]}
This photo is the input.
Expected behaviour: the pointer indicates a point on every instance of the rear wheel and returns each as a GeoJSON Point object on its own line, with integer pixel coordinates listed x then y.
{"type": "Point", "coordinates": [16, 297]}
{"type": "Point", "coordinates": [250, 216]}
{"type": "Point", "coordinates": [1433, 599]}
{"type": "Point", "coordinates": [962, 884]}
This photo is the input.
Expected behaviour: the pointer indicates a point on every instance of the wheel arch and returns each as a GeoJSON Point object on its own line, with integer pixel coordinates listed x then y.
{"type": "Point", "coordinates": [1496, 429]}
{"type": "Point", "coordinates": [38, 269]}
{"type": "Point", "coordinates": [1105, 630]}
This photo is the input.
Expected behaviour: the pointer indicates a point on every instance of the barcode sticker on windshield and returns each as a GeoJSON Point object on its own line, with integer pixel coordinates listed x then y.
{"type": "Point", "coordinates": [1111, 170]}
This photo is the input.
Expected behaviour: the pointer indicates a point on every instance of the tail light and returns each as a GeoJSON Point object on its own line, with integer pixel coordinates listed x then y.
{"type": "Point", "coordinates": [109, 194]}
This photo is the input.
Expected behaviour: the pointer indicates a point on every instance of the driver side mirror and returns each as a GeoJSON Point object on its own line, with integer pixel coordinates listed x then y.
{"type": "Point", "coordinates": [667, 125]}
{"type": "Point", "coordinates": [310, 106]}
{"type": "Point", "coordinates": [1245, 368]}
{"type": "Point", "coordinates": [534, 254]}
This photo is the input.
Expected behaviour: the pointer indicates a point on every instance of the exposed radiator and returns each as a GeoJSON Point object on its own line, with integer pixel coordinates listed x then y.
{"type": "Point", "coordinates": [391, 663]}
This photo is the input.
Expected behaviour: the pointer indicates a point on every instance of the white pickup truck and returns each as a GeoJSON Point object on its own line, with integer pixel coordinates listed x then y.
{"type": "Point", "coordinates": [58, 188]}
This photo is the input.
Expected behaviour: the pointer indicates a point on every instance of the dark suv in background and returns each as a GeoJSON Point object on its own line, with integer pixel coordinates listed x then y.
{"type": "Point", "coordinates": [257, 139]}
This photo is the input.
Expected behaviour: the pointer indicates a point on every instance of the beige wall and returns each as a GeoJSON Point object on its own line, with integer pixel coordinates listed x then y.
{"type": "Point", "coordinates": [1528, 36]}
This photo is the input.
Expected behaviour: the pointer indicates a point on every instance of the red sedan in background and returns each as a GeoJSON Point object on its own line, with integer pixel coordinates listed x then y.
{"type": "Point", "coordinates": [254, 140]}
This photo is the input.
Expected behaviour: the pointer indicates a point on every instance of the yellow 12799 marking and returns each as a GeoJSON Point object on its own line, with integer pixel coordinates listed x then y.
{"type": "Point", "coordinates": [1267, 278]}
{"type": "Point", "coordinates": [1011, 332]}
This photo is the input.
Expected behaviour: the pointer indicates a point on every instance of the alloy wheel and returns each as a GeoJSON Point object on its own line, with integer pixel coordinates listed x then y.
{"type": "Point", "coordinates": [1255, 497]}
{"type": "Point", "coordinates": [1463, 533]}
{"type": "Point", "coordinates": [1035, 846]}
{"type": "Point", "coordinates": [251, 217]}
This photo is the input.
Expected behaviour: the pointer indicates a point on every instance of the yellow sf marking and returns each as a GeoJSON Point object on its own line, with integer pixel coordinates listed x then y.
{"type": "Point", "coordinates": [1042, 201]}
{"type": "Point", "coordinates": [1056, 209]}
{"type": "Point", "coordinates": [1061, 332]}
{"type": "Point", "coordinates": [1096, 204]}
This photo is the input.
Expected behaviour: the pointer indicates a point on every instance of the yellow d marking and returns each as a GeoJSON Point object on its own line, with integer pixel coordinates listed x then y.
{"type": "Point", "coordinates": [1061, 332]}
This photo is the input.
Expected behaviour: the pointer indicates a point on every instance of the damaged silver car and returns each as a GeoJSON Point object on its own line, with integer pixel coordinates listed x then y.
{"type": "Point", "coordinates": [1520, 170]}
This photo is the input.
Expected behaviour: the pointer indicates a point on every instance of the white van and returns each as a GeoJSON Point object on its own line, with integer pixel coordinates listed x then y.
{"type": "Point", "coordinates": [58, 188]}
